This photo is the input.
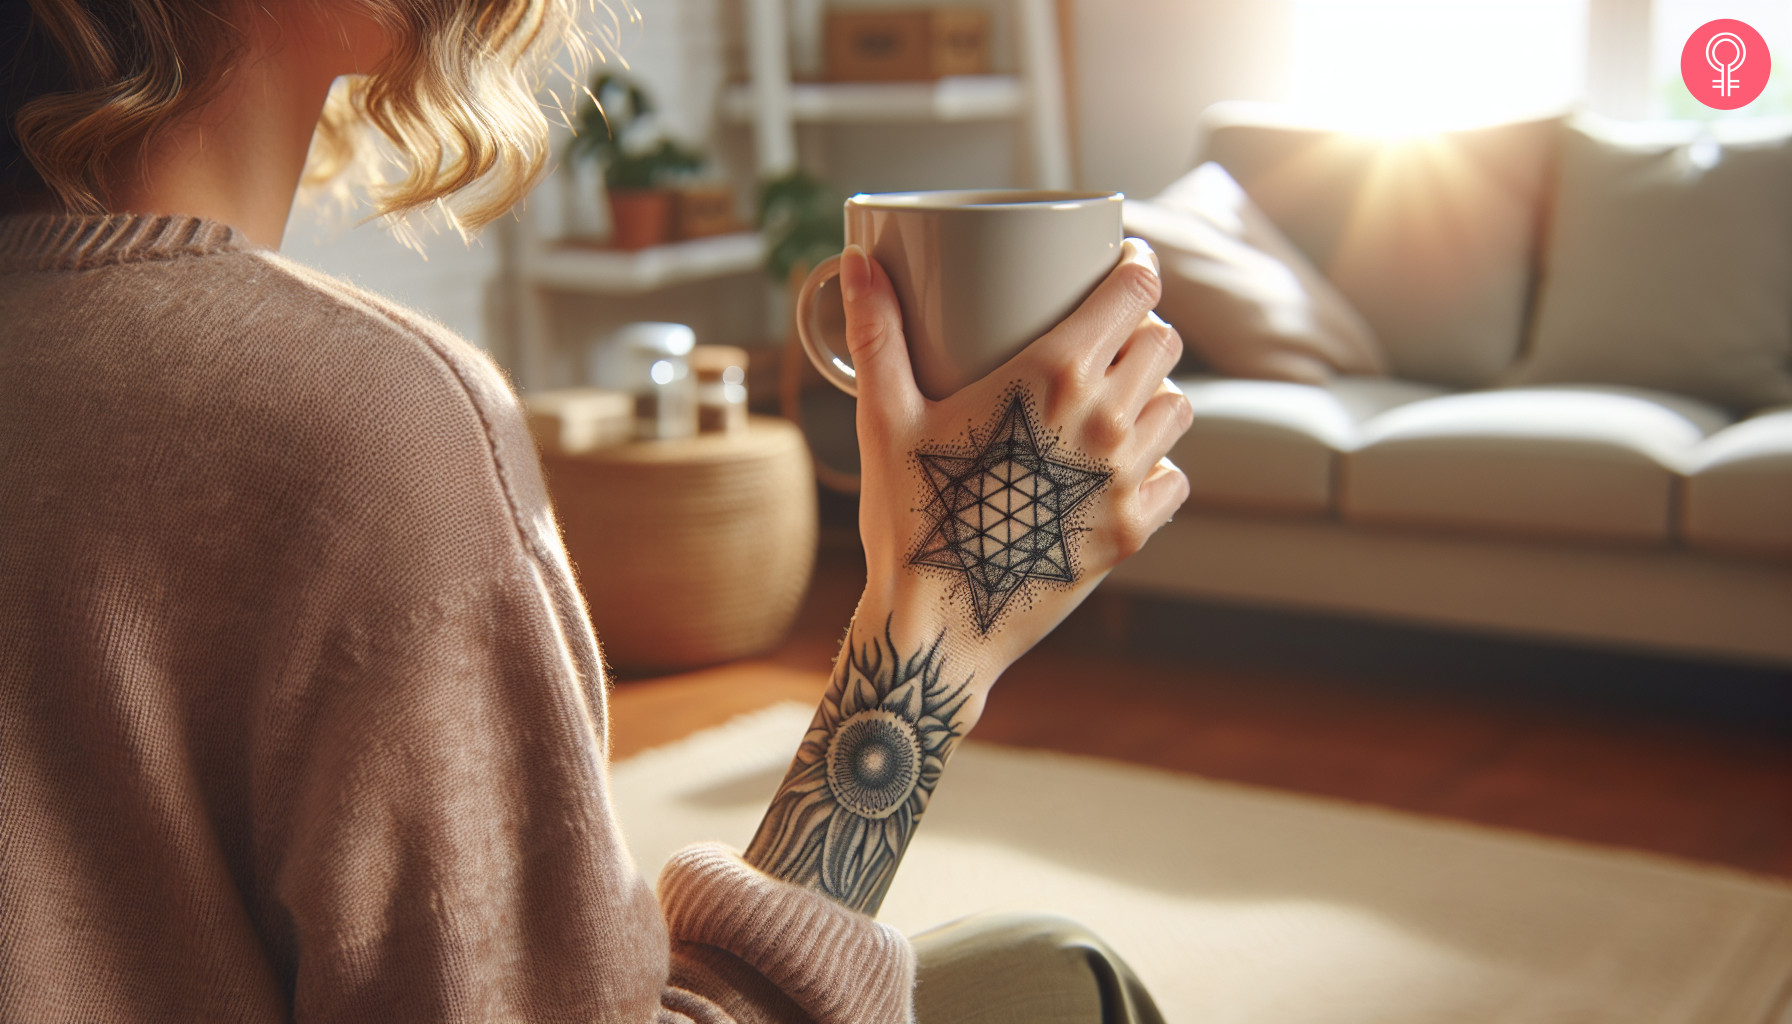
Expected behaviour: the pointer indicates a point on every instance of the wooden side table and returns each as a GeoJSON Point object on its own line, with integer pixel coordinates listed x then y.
{"type": "Point", "coordinates": [690, 552]}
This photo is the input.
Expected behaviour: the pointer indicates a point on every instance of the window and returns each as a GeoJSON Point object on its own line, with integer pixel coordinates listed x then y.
{"type": "Point", "coordinates": [1417, 65]}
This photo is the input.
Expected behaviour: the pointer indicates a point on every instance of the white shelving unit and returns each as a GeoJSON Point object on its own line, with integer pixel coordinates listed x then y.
{"type": "Point", "coordinates": [961, 98]}
{"type": "Point", "coordinates": [579, 268]}
{"type": "Point", "coordinates": [1035, 95]}
{"type": "Point", "coordinates": [537, 267]}
{"type": "Point", "coordinates": [540, 267]}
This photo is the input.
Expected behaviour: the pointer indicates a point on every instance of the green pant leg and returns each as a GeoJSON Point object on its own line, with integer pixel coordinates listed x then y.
{"type": "Point", "coordinates": [1031, 968]}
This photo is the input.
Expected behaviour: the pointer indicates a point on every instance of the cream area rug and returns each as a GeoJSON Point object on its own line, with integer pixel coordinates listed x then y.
{"type": "Point", "coordinates": [1237, 904]}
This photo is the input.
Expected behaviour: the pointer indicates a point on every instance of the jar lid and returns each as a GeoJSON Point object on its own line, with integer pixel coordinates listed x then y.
{"type": "Point", "coordinates": [712, 362]}
{"type": "Point", "coordinates": [656, 337]}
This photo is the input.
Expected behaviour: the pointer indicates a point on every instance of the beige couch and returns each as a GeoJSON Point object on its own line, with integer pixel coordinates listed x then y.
{"type": "Point", "coordinates": [1587, 431]}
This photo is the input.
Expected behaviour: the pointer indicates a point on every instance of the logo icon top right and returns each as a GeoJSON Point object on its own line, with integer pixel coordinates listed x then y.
{"type": "Point", "coordinates": [1725, 64]}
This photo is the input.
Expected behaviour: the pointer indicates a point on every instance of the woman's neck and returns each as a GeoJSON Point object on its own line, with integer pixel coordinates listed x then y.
{"type": "Point", "coordinates": [238, 158]}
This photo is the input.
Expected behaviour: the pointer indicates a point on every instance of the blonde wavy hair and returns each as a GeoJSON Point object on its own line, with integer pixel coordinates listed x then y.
{"type": "Point", "coordinates": [454, 100]}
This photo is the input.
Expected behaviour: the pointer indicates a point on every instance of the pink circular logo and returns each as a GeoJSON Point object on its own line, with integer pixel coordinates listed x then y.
{"type": "Point", "coordinates": [1725, 64]}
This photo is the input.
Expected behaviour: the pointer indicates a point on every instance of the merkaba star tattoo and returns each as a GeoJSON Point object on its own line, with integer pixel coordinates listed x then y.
{"type": "Point", "coordinates": [1002, 514]}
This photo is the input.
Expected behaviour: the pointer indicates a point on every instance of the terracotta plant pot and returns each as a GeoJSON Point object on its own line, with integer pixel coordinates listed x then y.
{"type": "Point", "coordinates": [703, 210]}
{"type": "Point", "coordinates": [640, 217]}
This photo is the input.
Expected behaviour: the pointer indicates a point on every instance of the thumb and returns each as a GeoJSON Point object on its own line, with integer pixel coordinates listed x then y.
{"type": "Point", "coordinates": [874, 336]}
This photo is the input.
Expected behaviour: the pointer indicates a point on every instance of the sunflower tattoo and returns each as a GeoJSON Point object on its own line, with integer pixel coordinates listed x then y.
{"type": "Point", "coordinates": [863, 775]}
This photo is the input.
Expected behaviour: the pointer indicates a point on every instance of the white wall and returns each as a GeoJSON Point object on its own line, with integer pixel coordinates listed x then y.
{"type": "Point", "coordinates": [1145, 69]}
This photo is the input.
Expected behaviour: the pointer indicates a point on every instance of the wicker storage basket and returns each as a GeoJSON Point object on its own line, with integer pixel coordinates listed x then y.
{"type": "Point", "coordinates": [690, 552]}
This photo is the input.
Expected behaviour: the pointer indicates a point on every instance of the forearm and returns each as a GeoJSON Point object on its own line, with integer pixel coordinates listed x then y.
{"type": "Point", "coordinates": [904, 691]}
{"type": "Point", "coordinates": [987, 516]}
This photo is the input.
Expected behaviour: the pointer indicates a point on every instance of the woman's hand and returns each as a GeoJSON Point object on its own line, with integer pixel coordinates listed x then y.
{"type": "Point", "coordinates": [987, 516]}
{"type": "Point", "coordinates": [1000, 507]}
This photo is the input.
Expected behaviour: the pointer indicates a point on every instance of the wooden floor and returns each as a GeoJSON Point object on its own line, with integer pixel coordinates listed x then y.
{"type": "Point", "coordinates": [1690, 761]}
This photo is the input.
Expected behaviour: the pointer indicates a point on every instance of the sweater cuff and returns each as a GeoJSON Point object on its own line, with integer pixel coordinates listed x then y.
{"type": "Point", "coordinates": [839, 965]}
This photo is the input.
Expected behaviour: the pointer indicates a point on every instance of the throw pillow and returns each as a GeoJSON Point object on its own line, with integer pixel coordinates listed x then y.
{"type": "Point", "coordinates": [1244, 299]}
{"type": "Point", "coordinates": [1432, 238]}
{"type": "Point", "coordinates": [1669, 266]}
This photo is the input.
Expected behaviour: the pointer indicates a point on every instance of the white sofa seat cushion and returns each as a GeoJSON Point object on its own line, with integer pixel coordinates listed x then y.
{"type": "Point", "coordinates": [1739, 487]}
{"type": "Point", "coordinates": [1272, 446]}
{"type": "Point", "coordinates": [1595, 462]}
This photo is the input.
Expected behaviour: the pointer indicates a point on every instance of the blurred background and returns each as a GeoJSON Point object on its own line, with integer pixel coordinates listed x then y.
{"type": "Point", "coordinates": [1136, 77]}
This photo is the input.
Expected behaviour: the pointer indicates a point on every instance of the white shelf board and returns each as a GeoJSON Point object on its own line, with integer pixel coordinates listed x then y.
{"type": "Point", "coordinates": [578, 268]}
{"type": "Point", "coordinates": [960, 98]}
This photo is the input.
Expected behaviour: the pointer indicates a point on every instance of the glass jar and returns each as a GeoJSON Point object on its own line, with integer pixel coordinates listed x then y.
{"type": "Point", "coordinates": [721, 372]}
{"type": "Point", "coordinates": [660, 378]}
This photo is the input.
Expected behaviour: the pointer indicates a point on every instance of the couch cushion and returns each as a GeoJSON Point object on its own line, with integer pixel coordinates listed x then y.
{"type": "Point", "coordinates": [1246, 301]}
{"type": "Point", "coordinates": [1432, 239]}
{"type": "Point", "coordinates": [1271, 446]}
{"type": "Point", "coordinates": [1738, 491]}
{"type": "Point", "coordinates": [1670, 265]}
{"type": "Point", "coordinates": [1589, 462]}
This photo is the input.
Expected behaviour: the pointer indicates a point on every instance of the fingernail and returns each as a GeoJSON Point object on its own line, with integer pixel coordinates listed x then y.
{"type": "Point", "coordinates": [855, 273]}
{"type": "Point", "coordinates": [1158, 320]}
{"type": "Point", "coordinates": [1168, 383]}
{"type": "Point", "coordinates": [1139, 251]}
{"type": "Point", "coordinates": [1167, 464]}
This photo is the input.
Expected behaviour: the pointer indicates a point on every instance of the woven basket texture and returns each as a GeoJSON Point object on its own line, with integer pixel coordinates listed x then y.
{"type": "Point", "coordinates": [690, 552]}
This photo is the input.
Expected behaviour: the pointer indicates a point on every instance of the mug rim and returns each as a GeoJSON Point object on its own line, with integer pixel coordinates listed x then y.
{"type": "Point", "coordinates": [984, 199]}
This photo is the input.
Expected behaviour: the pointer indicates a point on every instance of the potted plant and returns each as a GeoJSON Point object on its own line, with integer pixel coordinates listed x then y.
{"type": "Point", "coordinates": [802, 222]}
{"type": "Point", "coordinates": [617, 128]}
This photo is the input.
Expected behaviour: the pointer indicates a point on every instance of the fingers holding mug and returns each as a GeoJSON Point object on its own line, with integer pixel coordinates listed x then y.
{"type": "Point", "coordinates": [1147, 487]}
{"type": "Point", "coordinates": [1091, 337]}
{"type": "Point", "coordinates": [886, 382]}
{"type": "Point", "coordinates": [1163, 491]}
{"type": "Point", "coordinates": [1161, 423]}
{"type": "Point", "coordinates": [1139, 371]}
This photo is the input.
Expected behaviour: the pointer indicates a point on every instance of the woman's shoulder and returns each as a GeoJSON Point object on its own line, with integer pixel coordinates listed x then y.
{"type": "Point", "coordinates": [266, 374]}
{"type": "Point", "coordinates": [382, 409]}
{"type": "Point", "coordinates": [339, 329]}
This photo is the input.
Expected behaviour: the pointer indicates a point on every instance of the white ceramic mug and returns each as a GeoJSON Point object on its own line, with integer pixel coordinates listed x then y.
{"type": "Point", "coordinates": [979, 276]}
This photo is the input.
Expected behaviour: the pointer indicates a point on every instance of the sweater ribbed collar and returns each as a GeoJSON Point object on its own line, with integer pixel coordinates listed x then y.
{"type": "Point", "coordinates": [52, 241]}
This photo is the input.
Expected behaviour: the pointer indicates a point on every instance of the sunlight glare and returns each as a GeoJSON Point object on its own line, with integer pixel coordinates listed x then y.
{"type": "Point", "coordinates": [1408, 66]}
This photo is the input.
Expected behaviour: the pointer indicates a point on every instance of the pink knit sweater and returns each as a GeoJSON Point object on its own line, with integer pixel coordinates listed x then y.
{"type": "Point", "coordinates": [301, 717]}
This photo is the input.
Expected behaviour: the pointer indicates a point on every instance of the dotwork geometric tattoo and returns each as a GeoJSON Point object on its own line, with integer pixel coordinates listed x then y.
{"type": "Point", "coordinates": [1001, 514]}
{"type": "Point", "coordinates": [864, 773]}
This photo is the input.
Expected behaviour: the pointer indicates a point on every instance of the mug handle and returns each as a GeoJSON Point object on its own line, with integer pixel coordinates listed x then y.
{"type": "Point", "coordinates": [823, 337]}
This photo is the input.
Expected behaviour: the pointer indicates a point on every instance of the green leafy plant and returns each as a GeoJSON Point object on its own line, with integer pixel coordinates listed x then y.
{"type": "Point", "coordinates": [801, 219]}
{"type": "Point", "coordinates": [607, 131]}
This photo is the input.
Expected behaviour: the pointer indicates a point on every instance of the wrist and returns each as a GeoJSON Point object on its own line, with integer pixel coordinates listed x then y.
{"type": "Point", "coordinates": [906, 688]}
{"type": "Point", "coordinates": [920, 612]}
